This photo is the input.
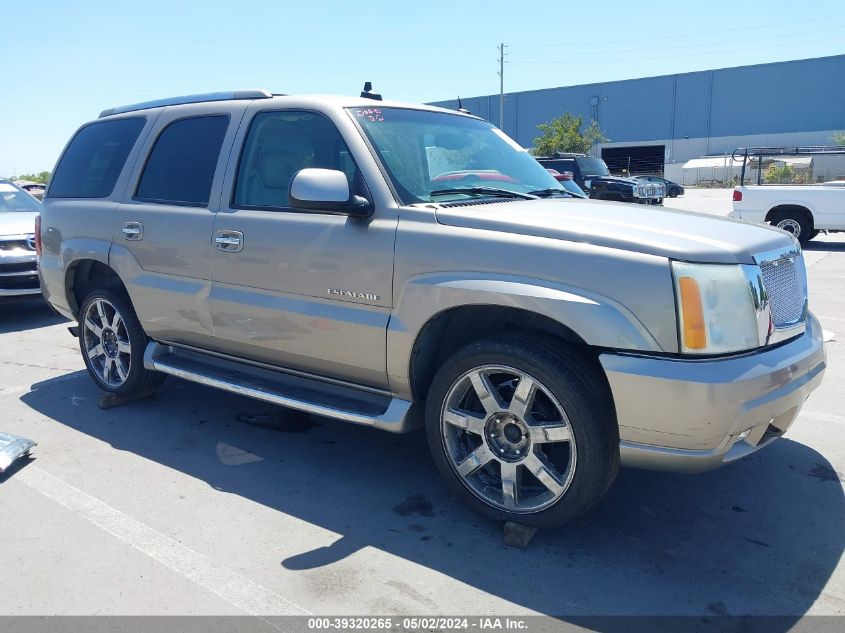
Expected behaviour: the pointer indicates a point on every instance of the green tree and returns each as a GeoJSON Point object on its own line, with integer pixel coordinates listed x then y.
{"type": "Point", "coordinates": [838, 138]}
{"type": "Point", "coordinates": [564, 134]}
{"type": "Point", "coordinates": [784, 173]}
{"type": "Point", "coordinates": [43, 176]}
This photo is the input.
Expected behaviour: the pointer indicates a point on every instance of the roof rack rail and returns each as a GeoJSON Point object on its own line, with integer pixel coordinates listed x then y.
{"type": "Point", "coordinates": [200, 98]}
{"type": "Point", "coordinates": [745, 153]}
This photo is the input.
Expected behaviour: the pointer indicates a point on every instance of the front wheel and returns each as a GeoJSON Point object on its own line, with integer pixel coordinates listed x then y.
{"type": "Point", "coordinates": [112, 343]}
{"type": "Point", "coordinates": [522, 431]}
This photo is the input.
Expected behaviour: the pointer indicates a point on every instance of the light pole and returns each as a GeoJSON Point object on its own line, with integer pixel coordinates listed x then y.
{"type": "Point", "coordinates": [502, 86]}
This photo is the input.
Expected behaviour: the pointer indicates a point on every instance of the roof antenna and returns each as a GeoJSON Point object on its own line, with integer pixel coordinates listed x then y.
{"type": "Point", "coordinates": [368, 92]}
{"type": "Point", "coordinates": [461, 107]}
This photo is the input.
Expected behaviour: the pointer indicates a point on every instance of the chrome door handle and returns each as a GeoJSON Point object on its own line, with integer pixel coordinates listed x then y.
{"type": "Point", "coordinates": [229, 241]}
{"type": "Point", "coordinates": [133, 231]}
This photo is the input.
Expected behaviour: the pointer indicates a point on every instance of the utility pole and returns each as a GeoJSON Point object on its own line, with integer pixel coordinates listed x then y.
{"type": "Point", "coordinates": [502, 86]}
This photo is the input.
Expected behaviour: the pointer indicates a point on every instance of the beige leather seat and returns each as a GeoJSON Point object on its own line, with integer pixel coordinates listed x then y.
{"type": "Point", "coordinates": [274, 170]}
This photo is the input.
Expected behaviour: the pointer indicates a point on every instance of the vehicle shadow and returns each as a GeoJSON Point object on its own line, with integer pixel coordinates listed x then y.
{"type": "Point", "coordinates": [835, 247]}
{"type": "Point", "coordinates": [761, 537]}
{"type": "Point", "coordinates": [27, 313]}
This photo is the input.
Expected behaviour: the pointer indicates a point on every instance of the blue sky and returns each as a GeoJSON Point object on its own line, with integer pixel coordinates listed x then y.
{"type": "Point", "coordinates": [66, 61]}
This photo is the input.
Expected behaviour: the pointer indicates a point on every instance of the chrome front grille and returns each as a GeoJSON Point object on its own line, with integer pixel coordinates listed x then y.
{"type": "Point", "coordinates": [786, 287]}
{"type": "Point", "coordinates": [22, 243]}
{"type": "Point", "coordinates": [647, 191]}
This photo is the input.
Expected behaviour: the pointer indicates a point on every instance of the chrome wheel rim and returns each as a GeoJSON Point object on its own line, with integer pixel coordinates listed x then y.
{"type": "Point", "coordinates": [106, 342]}
{"type": "Point", "coordinates": [508, 439]}
{"type": "Point", "coordinates": [790, 225]}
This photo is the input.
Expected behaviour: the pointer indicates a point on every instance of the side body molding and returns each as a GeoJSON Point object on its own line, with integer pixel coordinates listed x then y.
{"type": "Point", "coordinates": [600, 321]}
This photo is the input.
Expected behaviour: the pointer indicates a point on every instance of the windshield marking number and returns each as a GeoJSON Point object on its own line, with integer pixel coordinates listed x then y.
{"type": "Point", "coordinates": [373, 114]}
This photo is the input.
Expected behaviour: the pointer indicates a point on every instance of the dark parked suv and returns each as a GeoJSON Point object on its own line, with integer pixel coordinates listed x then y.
{"type": "Point", "coordinates": [592, 175]}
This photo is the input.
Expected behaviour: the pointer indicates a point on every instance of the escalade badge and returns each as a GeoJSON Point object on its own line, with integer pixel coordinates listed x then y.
{"type": "Point", "coordinates": [369, 296]}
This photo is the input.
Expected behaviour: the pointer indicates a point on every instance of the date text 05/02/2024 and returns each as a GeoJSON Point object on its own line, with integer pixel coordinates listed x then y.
{"type": "Point", "coordinates": [418, 623]}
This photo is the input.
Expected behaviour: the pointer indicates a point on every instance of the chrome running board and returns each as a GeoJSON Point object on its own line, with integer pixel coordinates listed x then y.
{"type": "Point", "coordinates": [286, 390]}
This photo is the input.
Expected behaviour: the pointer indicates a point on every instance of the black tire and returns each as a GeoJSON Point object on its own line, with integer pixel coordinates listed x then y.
{"type": "Point", "coordinates": [137, 378]}
{"type": "Point", "coordinates": [795, 222]}
{"type": "Point", "coordinates": [813, 234]}
{"type": "Point", "coordinates": [580, 389]}
{"type": "Point", "coordinates": [673, 192]}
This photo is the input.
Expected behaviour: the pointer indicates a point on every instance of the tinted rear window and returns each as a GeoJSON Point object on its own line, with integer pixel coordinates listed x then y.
{"type": "Point", "coordinates": [593, 166]}
{"type": "Point", "coordinates": [92, 162]}
{"type": "Point", "coordinates": [181, 166]}
{"type": "Point", "coordinates": [560, 165]}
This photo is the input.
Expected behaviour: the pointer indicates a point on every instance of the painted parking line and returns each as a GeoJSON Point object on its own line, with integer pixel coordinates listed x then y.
{"type": "Point", "coordinates": [229, 585]}
{"type": "Point", "coordinates": [822, 417]}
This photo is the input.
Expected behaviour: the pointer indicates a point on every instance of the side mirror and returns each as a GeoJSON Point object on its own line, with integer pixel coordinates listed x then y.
{"type": "Point", "coordinates": [326, 190]}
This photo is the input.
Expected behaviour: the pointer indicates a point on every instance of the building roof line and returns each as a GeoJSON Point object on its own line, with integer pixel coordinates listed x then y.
{"type": "Point", "coordinates": [669, 76]}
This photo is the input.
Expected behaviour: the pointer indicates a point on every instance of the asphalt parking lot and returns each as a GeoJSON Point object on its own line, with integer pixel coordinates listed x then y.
{"type": "Point", "coordinates": [200, 502]}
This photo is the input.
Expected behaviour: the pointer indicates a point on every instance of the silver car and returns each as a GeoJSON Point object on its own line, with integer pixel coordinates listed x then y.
{"type": "Point", "coordinates": [18, 261]}
{"type": "Point", "coordinates": [397, 265]}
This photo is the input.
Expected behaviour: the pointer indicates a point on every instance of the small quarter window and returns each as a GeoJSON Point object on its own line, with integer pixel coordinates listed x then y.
{"type": "Point", "coordinates": [90, 166]}
{"type": "Point", "coordinates": [181, 165]}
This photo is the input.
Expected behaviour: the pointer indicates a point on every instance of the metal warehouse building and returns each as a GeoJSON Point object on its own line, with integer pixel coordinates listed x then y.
{"type": "Point", "coordinates": [660, 123]}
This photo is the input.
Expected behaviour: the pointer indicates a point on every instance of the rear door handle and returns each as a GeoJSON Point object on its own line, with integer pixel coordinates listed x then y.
{"type": "Point", "coordinates": [229, 241]}
{"type": "Point", "coordinates": [133, 231]}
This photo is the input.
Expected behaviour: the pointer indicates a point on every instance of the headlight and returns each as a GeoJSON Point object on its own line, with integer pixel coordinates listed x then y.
{"type": "Point", "coordinates": [716, 308]}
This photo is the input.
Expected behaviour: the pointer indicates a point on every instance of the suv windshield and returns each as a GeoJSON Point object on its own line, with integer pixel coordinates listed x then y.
{"type": "Point", "coordinates": [592, 167]}
{"type": "Point", "coordinates": [425, 152]}
{"type": "Point", "coordinates": [14, 199]}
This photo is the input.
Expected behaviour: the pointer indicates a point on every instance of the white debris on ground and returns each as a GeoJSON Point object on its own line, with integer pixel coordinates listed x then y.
{"type": "Point", "coordinates": [11, 448]}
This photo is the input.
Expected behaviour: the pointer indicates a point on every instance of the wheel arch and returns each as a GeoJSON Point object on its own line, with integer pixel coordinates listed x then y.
{"type": "Point", "coordinates": [793, 208]}
{"type": "Point", "coordinates": [448, 330]}
{"type": "Point", "coordinates": [83, 275]}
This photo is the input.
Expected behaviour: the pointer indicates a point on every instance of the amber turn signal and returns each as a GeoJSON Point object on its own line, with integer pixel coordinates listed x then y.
{"type": "Point", "coordinates": [695, 334]}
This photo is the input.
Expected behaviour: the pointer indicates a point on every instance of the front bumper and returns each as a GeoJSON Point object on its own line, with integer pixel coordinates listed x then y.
{"type": "Point", "coordinates": [18, 273]}
{"type": "Point", "coordinates": [690, 415]}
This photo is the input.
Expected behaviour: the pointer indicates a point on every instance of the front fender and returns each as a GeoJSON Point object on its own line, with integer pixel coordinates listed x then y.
{"type": "Point", "coordinates": [598, 320]}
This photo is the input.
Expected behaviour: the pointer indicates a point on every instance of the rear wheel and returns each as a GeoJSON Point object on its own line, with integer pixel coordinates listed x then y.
{"type": "Point", "coordinates": [112, 343]}
{"type": "Point", "coordinates": [522, 432]}
{"type": "Point", "coordinates": [794, 222]}
{"type": "Point", "coordinates": [673, 193]}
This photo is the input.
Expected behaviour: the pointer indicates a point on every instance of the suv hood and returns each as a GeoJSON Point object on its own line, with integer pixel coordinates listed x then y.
{"type": "Point", "coordinates": [652, 230]}
{"type": "Point", "coordinates": [627, 181]}
{"type": "Point", "coordinates": [17, 223]}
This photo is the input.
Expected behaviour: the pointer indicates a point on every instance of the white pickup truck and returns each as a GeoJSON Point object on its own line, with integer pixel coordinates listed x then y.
{"type": "Point", "coordinates": [803, 210]}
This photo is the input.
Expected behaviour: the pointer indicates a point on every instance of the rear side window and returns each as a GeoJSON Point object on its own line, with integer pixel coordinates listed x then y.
{"type": "Point", "coordinates": [182, 163]}
{"type": "Point", "coordinates": [92, 162]}
{"type": "Point", "coordinates": [560, 165]}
